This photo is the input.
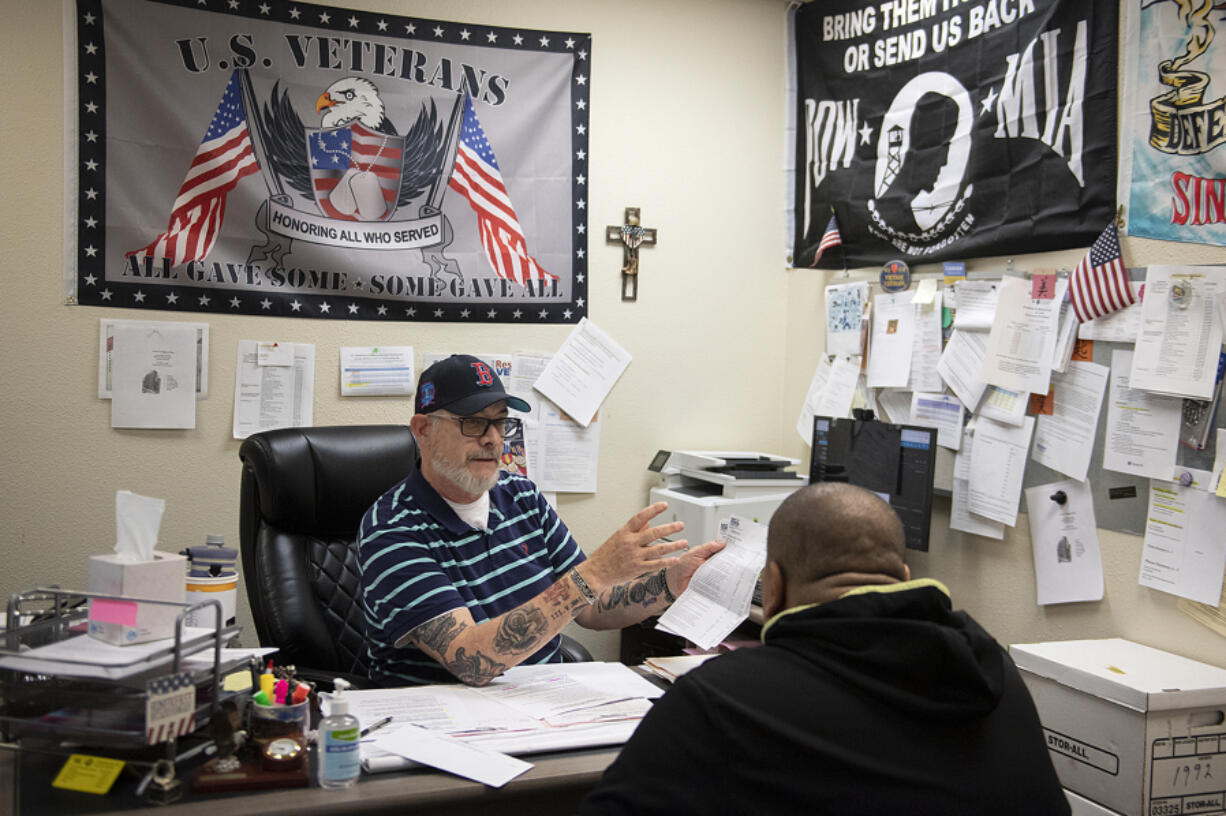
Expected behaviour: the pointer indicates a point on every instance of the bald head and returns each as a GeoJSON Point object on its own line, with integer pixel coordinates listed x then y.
{"type": "Point", "coordinates": [831, 529]}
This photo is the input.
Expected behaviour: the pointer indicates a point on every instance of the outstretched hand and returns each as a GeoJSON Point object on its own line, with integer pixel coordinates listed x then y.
{"type": "Point", "coordinates": [629, 552]}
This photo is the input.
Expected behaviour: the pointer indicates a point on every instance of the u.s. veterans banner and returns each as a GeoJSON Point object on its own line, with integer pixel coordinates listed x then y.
{"type": "Point", "coordinates": [290, 159]}
{"type": "Point", "coordinates": [1173, 173]}
{"type": "Point", "coordinates": [944, 129]}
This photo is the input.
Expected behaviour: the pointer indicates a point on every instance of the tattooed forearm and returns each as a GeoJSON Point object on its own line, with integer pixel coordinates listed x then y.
{"type": "Point", "coordinates": [521, 630]}
{"type": "Point", "coordinates": [642, 591]}
{"type": "Point", "coordinates": [438, 634]}
{"type": "Point", "coordinates": [477, 670]}
{"type": "Point", "coordinates": [562, 600]}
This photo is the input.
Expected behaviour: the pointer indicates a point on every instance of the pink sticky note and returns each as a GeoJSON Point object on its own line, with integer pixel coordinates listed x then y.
{"type": "Point", "coordinates": [107, 611]}
{"type": "Point", "coordinates": [1042, 287]}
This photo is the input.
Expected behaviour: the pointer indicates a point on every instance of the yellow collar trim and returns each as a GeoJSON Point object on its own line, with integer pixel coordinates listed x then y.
{"type": "Point", "coordinates": [902, 586]}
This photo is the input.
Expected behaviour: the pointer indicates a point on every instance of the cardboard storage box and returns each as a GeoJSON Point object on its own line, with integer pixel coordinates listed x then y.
{"type": "Point", "coordinates": [1134, 729]}
{"type": "Point", "coordinates": [125, 621]}
{"type": "Point", "coordinates": [1082, 806]}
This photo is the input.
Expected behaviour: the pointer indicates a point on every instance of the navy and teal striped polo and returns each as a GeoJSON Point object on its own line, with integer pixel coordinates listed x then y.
{"type": "Point", "coordinates": [418, 560]}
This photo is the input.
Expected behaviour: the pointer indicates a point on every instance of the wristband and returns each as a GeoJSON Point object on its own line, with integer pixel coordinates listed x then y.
{"type": "Point", "coordinates": [581, 585]}
{"type": "Point", "coordinates": [668, 595]}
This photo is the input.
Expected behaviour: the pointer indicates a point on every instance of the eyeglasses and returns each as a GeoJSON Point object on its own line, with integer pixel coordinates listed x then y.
{"type": "Point", "coordinates": [477, 426]}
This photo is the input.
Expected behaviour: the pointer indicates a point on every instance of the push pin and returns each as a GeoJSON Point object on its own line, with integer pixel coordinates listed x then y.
{"type": "Point", "coordinates": [1059, 497]}
{"type": "Point", "coordinates": [1185, 479]}
{"type": "Point", "coordinates": [1181, 293]}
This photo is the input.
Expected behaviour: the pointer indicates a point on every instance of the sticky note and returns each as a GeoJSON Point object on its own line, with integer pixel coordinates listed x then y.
{"type": "Point", "coordinates": [108, 611]}
{"type": "Point", "coordinates": [88, 774]}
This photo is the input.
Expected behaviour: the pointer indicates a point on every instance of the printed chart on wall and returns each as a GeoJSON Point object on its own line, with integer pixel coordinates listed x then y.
{"type": "Point", "coordinates": [292, 159]}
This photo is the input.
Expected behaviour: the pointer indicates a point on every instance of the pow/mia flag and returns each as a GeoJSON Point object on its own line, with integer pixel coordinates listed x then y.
{"type": "Point", "coordinates": [945, 129]}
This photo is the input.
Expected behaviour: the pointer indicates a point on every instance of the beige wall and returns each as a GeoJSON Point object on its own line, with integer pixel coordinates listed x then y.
{"type": "Point", "coordinates": [687, 123]}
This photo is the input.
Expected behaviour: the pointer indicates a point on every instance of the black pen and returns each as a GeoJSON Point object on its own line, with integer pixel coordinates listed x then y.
{"type": "Point", "coordinates": [376, 726]}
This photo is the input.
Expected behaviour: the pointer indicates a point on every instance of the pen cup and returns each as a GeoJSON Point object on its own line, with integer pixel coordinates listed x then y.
{"type": "Point", "coordinates": [275, 722]}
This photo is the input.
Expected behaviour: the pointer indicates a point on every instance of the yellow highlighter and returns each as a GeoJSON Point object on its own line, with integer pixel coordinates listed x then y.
{"type": "Point", "coordinates": [268, 680]}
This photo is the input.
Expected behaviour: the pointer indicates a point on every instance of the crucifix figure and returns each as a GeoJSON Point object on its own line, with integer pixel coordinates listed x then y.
{"type": "Point", "coordinates": [631, 235]}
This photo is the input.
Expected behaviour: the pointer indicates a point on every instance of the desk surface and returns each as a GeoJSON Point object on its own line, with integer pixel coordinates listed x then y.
{"type": "Point", "coordinates": [555, 784]}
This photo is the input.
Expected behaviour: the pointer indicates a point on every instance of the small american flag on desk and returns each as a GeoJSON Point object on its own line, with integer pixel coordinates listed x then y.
{"type": "Point", "coordinates": [1099, 285]}
{"type": "Point", "coordinates": [170, 707]}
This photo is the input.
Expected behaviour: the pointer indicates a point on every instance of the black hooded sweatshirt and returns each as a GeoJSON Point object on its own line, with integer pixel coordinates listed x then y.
{"type": "Point", "coordinates": [885, 701]}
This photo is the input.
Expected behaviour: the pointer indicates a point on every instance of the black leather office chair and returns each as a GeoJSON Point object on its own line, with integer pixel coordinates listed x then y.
{"type": "Point", "coordinates": [304, 492]}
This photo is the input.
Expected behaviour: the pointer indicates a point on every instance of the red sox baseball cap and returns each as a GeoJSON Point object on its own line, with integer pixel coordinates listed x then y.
{"type": "Point", "coordinates": [463, 385]}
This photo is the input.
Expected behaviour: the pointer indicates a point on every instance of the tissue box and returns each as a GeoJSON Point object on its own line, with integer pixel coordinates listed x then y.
{"type": "Point", "coordinates": [124, 622]}
{"type": "Point", "coordinates": [1132, 728]}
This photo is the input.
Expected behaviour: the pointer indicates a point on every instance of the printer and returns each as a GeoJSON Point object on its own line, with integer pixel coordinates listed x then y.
{"type": "Point", "coordinates": [704, 487]}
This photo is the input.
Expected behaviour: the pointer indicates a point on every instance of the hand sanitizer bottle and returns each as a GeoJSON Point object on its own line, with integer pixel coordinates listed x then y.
{"type": "Point", "coordinates": [339, 761]}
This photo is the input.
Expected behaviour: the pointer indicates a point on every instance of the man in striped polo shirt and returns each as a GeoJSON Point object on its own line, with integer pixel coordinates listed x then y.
{"type": "Point", "coordinates": [466, 570]}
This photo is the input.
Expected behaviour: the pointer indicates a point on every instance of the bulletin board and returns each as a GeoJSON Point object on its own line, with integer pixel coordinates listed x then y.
{"type": "Point", "coordinates": [1121, 500]}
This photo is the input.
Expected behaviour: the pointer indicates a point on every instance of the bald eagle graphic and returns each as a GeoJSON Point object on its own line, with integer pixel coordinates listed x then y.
{"type": "Point", "coordinates": [354, 165]}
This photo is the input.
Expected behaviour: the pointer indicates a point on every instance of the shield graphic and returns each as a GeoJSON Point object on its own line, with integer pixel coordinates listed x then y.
{"type": "Point", "coordinates": [355, 171]}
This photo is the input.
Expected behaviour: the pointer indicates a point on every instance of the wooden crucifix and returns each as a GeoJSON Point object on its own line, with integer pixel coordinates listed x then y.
{"type": "Point", "coordinates": [631, 235]}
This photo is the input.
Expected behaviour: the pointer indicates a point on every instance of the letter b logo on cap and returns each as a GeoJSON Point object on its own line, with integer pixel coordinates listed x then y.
{"type": "Point", "coordinates": [484, 377]}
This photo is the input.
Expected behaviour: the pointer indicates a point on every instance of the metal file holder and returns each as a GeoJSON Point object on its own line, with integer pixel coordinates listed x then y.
{"type": "Point", "coordinates": [42, 704]}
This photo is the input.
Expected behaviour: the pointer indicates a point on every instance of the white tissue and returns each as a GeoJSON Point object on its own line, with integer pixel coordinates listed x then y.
{"type": "Point", "coordinates": [137, 519]}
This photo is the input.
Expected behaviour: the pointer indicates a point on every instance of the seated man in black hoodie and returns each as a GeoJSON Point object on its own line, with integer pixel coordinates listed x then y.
{"type": "Point", "coordinates": [869, 695]}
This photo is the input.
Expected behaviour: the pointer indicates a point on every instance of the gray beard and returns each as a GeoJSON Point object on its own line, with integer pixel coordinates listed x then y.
{"type": "Point", "coordinates": [459, 476]}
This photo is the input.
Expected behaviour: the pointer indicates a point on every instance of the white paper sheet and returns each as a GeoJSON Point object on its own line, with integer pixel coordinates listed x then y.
{"type": "Point", "coordinates": [583, 371]}
{"type": "Point", "coordinates": [961, 366]}
{"type": "Point", "coordinates": [941, 411]}
{"type": "Point", "coordinates": [976, 302]}
{"type": "Point", "coordinates": [927, 346]}
{"type": "Point", "coordinates": [1184, 551]}
{"type": "Point", "coordinates": [846, 305]}
{"type": "Point", "coordinates": [1177, 349]}
{"type": "Point", "coordinates": [153, 372]}
{"type": "Point", "coordinates": [719, 595]}
{"type": "Point", "coordinates": [106, 348]}
{"type": "Point", "coordinates": [479, 718]}
{"type": "Point", "coordinates": [273, 396]}
{"type": "Point", "coordinates": [1142, 434]}
{"type": "Point", "coordinates": [450, 754]}
{"type": "Point", "coordinates": [1064, 439]}
{"type": "Point", "coordinates": [840, 388]}
{"type": "Point", "coordinates": [1066, 338]}
{"type": "Point", "coordinates": [526, 367]}
{"type": "Point", "coordinates": [1022, 341]}
{"type": "Point", "coordinates": [1003, 405]}
{"type": "Point", "coordinates": [895, 404]}
{"type": "Point", "coordinates": [998, 462]}
{"type": "Point", "coordinates": [568, 457]}
{"type": "Point", "coordinates": [1068, 565]}
{"type": "Point", "coordinates": [1123, 326]}
{"type": "Point", "coordinates": [370, 371]}
{"type": "Point", "coordinates": [960, 516]}
{"type": "Point", "coordinates": [817, 384]}
{"type": "Point", "coordinates": [893, 335]}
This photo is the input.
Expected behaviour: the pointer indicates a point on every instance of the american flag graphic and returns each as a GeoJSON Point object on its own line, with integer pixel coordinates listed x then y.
{"type": "Point", "coordinates": [335, 152]}
{"type": "Point", "coordinates": [830, 238]}
{"type": "Point", "coordinates": [225, 156]}
{"type": "Point", "coordinates": [1099, 285]}
{"type": "Point", "coordinates": [170, 707]}
{"type": "Point", "coordinates": [477, 178]}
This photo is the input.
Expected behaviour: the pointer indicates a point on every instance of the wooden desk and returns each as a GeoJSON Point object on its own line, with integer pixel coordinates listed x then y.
{"type": "Point", "coordinates": [555, 784]}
